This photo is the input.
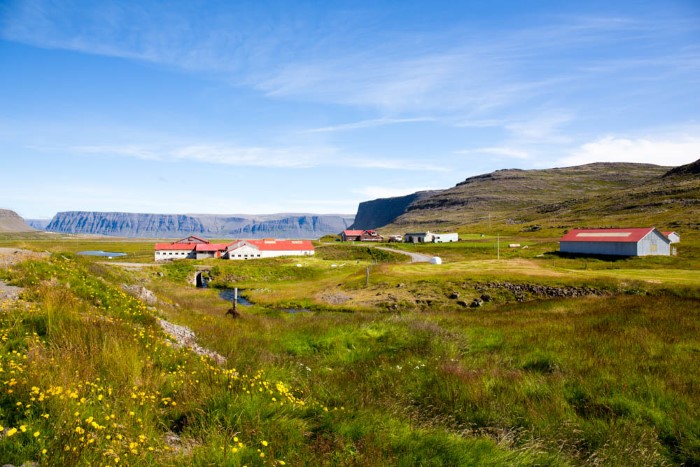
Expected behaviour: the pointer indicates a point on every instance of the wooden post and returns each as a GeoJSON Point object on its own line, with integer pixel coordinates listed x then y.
{"type": "Point", "coordinates": [234, 311]}
{"type": "Point", "coordinates": [367, 277]}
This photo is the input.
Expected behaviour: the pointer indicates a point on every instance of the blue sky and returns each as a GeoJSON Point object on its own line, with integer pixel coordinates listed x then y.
{"type": "Point", "coordinates": [279, 106]}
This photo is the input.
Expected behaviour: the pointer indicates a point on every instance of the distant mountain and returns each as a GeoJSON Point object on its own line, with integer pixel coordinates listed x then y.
{"type": "Point", "coordinates": [122, 224]}
{"type": "Point", "coordinates": [593, 194]}
{"type": "Point", "coordinates": [39, 224]}
{"type": "Point", "coordinates": [380, 212]}
{"type": "Point", "coordinates": [10, 221]}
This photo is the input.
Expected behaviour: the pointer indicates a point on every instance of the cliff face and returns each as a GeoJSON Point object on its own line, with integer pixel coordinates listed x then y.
{"type": "Point", "coordinates": [380, 212]}
{"type": "Point", "coordinates": [122, 224]}
{"type": "Point", "coordinates": [10, 221]}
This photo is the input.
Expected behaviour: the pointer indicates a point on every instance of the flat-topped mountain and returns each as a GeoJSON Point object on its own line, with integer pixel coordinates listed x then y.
{"type": "Point", "coordinates": [10, 221]}
{"type": "Point", "coordinates": [559, 196]}
{"type": "Point", "coordinates": [143, 225]}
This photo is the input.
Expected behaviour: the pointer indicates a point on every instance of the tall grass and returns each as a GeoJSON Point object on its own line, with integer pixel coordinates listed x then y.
{"type": "Point", "coordinates": [594, 380]}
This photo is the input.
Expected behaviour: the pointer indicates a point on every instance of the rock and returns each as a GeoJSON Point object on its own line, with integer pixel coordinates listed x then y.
{"type": "Point", "coordinates": [476, 303]}
{"type": "Point", "coordinates": [462, 303]}
{"type": "Point", "coordinates": [454, 295]}
{"type": "Point", "coordinates": [486, 297]}
{"type": "Point", "coordinates": [141, 292]}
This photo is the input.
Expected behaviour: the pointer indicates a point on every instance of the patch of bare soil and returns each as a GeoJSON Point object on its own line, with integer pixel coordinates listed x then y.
{"type": "Point", "coordinates": [10, 256]}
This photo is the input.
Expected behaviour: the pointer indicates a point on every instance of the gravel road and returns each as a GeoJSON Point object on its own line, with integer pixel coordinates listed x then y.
{"type": "Point", "coordinates": [415, 257]}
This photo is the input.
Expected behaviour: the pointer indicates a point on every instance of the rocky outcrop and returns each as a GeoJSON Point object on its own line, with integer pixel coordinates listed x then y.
{"type": "Point", "coordinates": [380, 212]}
{"type": "Point", "coordinates": [10, 221]}
{"type": "Point", "coordinates": [142, 225]}
{"type": "Point", "coordinates": [689, 169]}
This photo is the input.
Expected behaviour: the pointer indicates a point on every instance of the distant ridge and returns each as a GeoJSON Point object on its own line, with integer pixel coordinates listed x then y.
{"type": "Point", "coordinates": [143, 225]}
{"type": "Point", "coordinates": [10, 221]}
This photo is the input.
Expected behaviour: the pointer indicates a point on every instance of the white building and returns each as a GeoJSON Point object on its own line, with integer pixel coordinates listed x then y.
{"type": "Point", "coordinates": [418, 237]}
{"type": "Point", "coordinates": [268, 248]}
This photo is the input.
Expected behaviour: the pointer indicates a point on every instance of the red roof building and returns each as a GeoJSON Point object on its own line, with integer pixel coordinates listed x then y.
{"type": "Point", "coordinates": [196, 248]}
{"type": "Point", "coordinates": [269, 248]}
{"type": "Point", "coordinates": [617, 242]}
{"type": "Point", "coordinates": [361, 236]}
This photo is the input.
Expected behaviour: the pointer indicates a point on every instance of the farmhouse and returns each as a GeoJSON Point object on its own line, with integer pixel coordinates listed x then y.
{"type": "Point", "coordinates": [618, 242]}
{"type": "Point", "coordinates": [268, 248]}
{"type": "Point", "coordinates": [182, 249]}
{"type": "Point", "coordinates": [361, 236]}
{"type": "Point", "coordinates": [196, 248]}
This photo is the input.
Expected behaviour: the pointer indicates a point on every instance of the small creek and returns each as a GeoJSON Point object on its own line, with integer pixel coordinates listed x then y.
{"type": "Point", "coordinates": [227, 295]}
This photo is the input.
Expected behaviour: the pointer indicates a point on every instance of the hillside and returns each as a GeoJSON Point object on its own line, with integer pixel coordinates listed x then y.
{"type": "Point", "coordinates": [10, 221]}
{"type": "Point", "coordinates": [593, 194]}
{"type": "Point", "coordinates": [179, 225]}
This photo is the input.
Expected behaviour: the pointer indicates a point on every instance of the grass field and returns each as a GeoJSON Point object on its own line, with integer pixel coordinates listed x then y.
{"type": "Point", "coordinates": [570, 361]}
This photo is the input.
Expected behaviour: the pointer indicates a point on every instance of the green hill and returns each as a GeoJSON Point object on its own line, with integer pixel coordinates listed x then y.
{"type": "Point", "coordinates": [600, 194]}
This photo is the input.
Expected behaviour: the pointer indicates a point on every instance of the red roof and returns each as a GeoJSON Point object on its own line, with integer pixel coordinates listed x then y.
{"type": "Point", "coordinates": [210, 246]}
{"type": "Point", "coordinates": [607, 235]}
{"type": "Point", "coordinates": [350, 233]}
{"type": "Point", "coordinates": [275, 245]}
{"type": "Point", "coordinates": [175, 246]}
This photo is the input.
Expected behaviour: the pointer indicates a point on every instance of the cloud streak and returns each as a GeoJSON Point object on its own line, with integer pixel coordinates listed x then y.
{"type": "Point", "coordinates": [255, 156]}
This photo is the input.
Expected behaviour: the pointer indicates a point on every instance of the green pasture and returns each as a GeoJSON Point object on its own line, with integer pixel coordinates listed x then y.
{"type": "Point", "coordinates": [382, 369]}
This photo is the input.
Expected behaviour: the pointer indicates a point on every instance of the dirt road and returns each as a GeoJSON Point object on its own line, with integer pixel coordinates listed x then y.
{"type": "Point", "coordinates": [415, 257]}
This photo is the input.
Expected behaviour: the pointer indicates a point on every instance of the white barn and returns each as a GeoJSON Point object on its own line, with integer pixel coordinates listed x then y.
{"type": "Point", "coordinates": [616, 242]}
{"type": "Point", "coordinates": [268, 248]}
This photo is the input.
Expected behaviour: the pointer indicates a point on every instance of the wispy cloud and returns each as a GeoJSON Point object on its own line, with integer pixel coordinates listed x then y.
{"type": "Point", "coordinates": [446, 71]}
{"type": "Point", "coordinates": [670, 152]}
{"type": "Point", "coordinates": [255, 156]}
{"type": "Point", "coordinates": [368, 124]}
{"type": "Point", "coordinates": [497, 151]}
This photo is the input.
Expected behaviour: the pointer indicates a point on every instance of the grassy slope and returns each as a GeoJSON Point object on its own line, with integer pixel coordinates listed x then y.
{"type": "Point", "coordinates": [553, 200]}
{"type": "Point", "coordinates": [586, 380]}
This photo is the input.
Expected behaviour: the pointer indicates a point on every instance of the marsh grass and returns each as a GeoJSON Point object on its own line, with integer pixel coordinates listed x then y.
{"type": "Point", "coordinates": [595, 380]}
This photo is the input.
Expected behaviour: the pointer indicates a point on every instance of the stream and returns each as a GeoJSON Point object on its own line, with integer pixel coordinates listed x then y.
{"type": "Point", "coordinates": [227, 295]}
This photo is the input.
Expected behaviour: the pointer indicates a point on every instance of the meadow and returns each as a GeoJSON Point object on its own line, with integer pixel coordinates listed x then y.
{"type": "Point", "coordinates": [569, 361]}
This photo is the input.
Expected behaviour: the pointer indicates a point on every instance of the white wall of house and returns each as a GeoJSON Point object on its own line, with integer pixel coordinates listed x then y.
{"type": "Point", "coordinates": [654, 243]}
{"type": "Point", "coordinates": [244, 251]}
{"type": "Point", "coordinates": [163, 255]}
